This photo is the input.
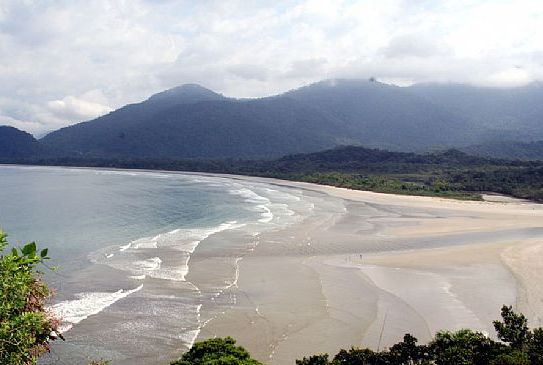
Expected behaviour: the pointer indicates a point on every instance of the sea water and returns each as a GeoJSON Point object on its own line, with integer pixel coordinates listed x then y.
{"type": "Point", "coordinates": [144, 259]}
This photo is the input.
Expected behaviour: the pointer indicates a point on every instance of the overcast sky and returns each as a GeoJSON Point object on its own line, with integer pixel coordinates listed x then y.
{"type": "Point", "coordinates": [63, 62]}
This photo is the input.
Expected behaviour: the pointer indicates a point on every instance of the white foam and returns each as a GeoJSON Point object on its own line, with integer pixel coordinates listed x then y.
{"type": "Point", "coordinates": [267, 215]}
{"type": "Point", "coordinates": [148, 265]}
{"type": "Point", "coordinates": [234, 282]}
{"type": "Point", "coordinates": [132, 256]}
{"type": "Point", "coordinates": [145, 242]}
{"type": "Point", "coordinates": [138, 277]}
{"type": "Point", "coordinates": [74, 311]}
{"type": "Point", "coordinates": [249, 195]}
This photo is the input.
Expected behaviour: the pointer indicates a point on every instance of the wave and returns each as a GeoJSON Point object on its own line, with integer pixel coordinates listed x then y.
{"type": "Point", "coordinates": [74, 311]}
{"type": "Point", "coordinates": [185, 241]}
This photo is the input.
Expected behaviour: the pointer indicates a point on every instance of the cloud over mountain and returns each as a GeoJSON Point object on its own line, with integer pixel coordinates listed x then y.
{"type": "Point", "coordinates": [57, 52]}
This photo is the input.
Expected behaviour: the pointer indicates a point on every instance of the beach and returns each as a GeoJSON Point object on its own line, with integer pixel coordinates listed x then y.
{"type": "Point", "coordinates": [152, 261]}
{"type": "Point", "coordinates": [382, 266]}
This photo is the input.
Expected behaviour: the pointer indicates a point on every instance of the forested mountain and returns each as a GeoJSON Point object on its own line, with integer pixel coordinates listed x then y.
{"type": "Point", "coordinates": [193, 122]}
{"type": "Point", "coordinates": [386, 116]}
{"type": "Point", "coordinates": [15, 143]}
{"type": "Point", "coordinates": [500, 114]}
{"type": "Point", "coordinates": [180, 123]}
{"type": "Point", "coordinates": [508, 149]}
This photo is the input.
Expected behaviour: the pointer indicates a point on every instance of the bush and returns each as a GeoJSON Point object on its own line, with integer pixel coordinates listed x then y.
{"type": "Point", "coordinates": [216, 351]}
{"type": "Point", "coordinates": [25, 325]}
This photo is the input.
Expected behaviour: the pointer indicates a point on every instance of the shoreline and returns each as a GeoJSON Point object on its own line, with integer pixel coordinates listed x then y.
{"type": "Point", "coordinates": [492, 197]}
{"type": "Point", "coordinates": [347, 300]}
{"type": "Point", "coordinates": [363, 261]}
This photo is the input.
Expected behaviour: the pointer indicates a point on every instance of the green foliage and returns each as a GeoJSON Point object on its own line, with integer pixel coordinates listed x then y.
{"type": "Point", "coordinates": [216, 351]}
{"type": "Point", "coordinates": [25, 326]}
{"type": "Point", "coordinates": [357, 356]}
{"type": "Point", "coordinates": [314, 360]}
{"type": "Point", "coordinates": [513, 357]}
{"type": "Point", "coordinates": [464, 347]}
{"type": "Point", "coordinates": [514, 328]}
{"type": "Point", "coordinates": [408, 352]}
{"type": "Point", "coordinates": [535, 347]}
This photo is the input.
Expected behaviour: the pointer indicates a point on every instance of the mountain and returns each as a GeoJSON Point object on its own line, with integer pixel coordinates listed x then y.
{"type": "Point", "coordinates": [15, 143]}
{"type": "Point", "coordinates": [386, 116]}
{"type": "Point", "coordinates": [179, 123]}
{"type": "Point", "coordinates": [193, 122]}
{"type": "Point", "coordinates": [498, 114]}
{"type": "Point", "coordinates": [508, 150]}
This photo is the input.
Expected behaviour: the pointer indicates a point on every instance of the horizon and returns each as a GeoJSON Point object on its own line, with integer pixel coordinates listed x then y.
{"type": "Point", "coordinates": [71, 62]}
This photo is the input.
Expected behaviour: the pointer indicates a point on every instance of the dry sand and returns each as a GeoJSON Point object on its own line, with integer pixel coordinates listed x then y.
{"type": "Point", "coordinates": [385, 266]}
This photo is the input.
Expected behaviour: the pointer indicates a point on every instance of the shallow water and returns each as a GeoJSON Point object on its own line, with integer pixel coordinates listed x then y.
{"type": "Point", "coordinates": [123, 241]}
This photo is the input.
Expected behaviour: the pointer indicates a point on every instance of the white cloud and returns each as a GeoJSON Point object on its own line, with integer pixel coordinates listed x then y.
{"type": "Point", "coordinates": [54, 52]}
{"type": "Point", "coordinates": [73, 108]}
{"type": "Point", "coordinates": [20, 124]}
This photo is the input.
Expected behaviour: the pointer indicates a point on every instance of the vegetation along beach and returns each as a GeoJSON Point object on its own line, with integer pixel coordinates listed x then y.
{"type": "Point", "coordinates": [303, 182]}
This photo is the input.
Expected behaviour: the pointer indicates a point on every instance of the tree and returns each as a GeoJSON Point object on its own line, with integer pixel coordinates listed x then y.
{"type": "Point", "coordinates": [514, 328]}
{"type": "Point", "coordinates": [321, 359]}
{"type": "Point", "coordinates": [26, 328]}
{"type": "Point", "coordinates": [514, 357]}
{"type": "Point", "coordinates": [357, 356]}
{"type": "Point", "coordinates": [535, 347]}
{"type": "Point", "coordinates": [463, 347]}
{"type": "Point", "coordinates": [408, 352]}
{"type": "Point", "coordinates": [216, 351]}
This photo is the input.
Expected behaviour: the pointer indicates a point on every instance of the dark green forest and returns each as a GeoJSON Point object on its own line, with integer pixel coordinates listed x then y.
{"type": "Point", "coordinates": [451, 173]}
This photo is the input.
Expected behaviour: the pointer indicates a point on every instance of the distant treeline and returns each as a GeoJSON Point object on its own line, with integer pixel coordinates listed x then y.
{"type": "Point", "coordinates": [450, 174]}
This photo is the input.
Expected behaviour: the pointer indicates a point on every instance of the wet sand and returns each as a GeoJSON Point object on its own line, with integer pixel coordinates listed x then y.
{"type": "Point", "coordinates": [383, 266]}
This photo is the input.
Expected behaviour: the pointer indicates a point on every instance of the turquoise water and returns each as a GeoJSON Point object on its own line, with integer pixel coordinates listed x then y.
{"type": "Point", "coordinates": [76, 211]}
{"type": "Point", "coordinates": [127, 244]}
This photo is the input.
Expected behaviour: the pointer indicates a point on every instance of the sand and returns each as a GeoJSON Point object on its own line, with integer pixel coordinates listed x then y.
{"type": "Point", "coordinates": [384, 266]}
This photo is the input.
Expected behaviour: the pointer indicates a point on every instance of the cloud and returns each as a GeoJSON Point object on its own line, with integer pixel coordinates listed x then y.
{"type": "Point", "coordinates": [307, 68]}
{"type": "Point", "coordinates": [19, 124]}
{"type": "Point", "coordinates": [412, 45]}
{"type": "Point", "coordinates": [250, 72]}
{"type": "Point", "coordinates": [73, 108]}
{"type": "Point", "coordinates": [64, 62]}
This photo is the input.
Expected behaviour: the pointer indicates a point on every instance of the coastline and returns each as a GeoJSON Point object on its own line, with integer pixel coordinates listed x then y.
{"type": "Point", "coordinates": [301, 300]}
{"type": "Point", "coordinates": [485, 195]}
{"type": "Point", "coordinates": [360, 264]}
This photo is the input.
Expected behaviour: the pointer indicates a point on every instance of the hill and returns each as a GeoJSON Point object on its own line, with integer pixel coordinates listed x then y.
{"type": "Point", "coordinates": [508, 149]}
{"type": "Point", "coordinates": [15, 143]}
{"type": "Point", "coordinates": [191, 121]}
{"type": "Point", "coordinates": [386, 116]}
{"type": "Point", "coordinates": [499, 114]}
{"type": "Point", "coordinates": [180, 123]}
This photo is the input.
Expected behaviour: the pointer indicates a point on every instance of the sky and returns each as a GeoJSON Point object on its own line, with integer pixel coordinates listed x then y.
{"type": "Point", "coordinates": [63, 62]}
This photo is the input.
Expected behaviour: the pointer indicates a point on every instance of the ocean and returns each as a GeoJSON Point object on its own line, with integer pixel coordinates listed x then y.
{"type": "Point", "coordinates": [127, 283]}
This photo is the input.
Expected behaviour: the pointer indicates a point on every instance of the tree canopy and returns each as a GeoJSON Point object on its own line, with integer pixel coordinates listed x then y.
{"type": "Point", "coordinates": [216, 351]}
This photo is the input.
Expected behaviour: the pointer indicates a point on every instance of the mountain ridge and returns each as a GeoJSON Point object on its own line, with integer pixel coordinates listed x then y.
{"type": "Point", "coordinates": [191, 121]}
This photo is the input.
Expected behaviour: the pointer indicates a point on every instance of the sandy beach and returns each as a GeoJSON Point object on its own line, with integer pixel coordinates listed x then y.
{"type": "Point", "coordinates": [382, 266]}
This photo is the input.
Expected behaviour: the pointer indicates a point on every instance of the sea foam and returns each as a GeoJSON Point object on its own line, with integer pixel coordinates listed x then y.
{"type": "Point", "coordinates": [87, 304]}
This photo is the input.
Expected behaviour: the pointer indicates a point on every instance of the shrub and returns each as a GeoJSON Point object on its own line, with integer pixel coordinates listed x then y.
{"type": "Point", "coordinates": [26, 328]}
{"type": "Point", "coordinates": [216, 351]}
